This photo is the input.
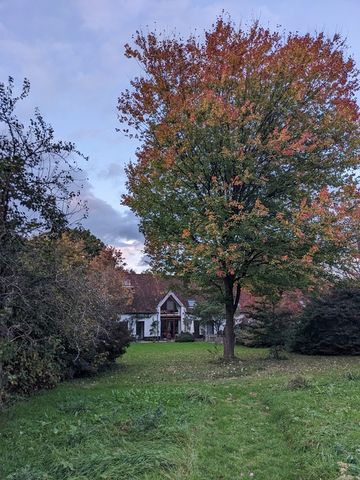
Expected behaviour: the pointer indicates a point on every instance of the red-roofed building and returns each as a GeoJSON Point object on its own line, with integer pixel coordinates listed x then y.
{"type": "Point", "coordinates": [159, 308]}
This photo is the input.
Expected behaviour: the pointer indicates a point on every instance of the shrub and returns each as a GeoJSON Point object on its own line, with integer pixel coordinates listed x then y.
{"type": "Point", "coordinates": [265, 325]}
{"type": "Point", "coordinates": [184, 337]}
{"type": "Point", "coordinates": [28, 368]}
{"type": "Point", "coordinates": [97, 350]}
{"type": "Point", "coordinates": [62, 319]}
{"type": "Point", "coordinates": [330, 324]}
{"type": "Point", "coordinates": [277, 352]}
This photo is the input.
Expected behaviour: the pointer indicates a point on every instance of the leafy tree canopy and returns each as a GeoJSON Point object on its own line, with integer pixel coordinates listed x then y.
{"type": "Point", "coordinates": [92, 245]}
{"type": "Point", "coordinates": [37, 172]}
{"type": "Point", "coordinates": [247, 166]}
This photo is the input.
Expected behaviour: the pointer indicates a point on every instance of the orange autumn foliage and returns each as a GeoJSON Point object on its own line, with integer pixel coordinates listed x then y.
{"type": "Point", "coordinates": [248, 138]}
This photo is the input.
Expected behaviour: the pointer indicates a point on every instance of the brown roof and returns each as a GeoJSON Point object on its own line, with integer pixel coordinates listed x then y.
{"type": "Point", "coordinates": [147, 290]}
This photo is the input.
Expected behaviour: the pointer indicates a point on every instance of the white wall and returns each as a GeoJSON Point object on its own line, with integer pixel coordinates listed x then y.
{"type": "Point", "coordinates": [146, 318]}
{"type": "Point", "coordinates": [149, 318]}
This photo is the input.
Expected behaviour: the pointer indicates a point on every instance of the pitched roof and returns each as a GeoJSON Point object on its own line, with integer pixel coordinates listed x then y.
{"type": "Point", "coordinates": [147, 290]}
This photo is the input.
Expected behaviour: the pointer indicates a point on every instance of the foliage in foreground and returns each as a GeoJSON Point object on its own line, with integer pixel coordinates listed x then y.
{"type": "Point", "coordinates": [173, 411]}
{"type": "Point", "coordinates": [330, 324]}
{"type": "Point", "coordinates": [60, 289]}
{"type": "Point", "coordinates": [62, 322]}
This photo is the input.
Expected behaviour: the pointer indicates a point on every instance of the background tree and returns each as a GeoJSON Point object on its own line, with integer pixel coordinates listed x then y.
{"type": "Point", "coordinates": [210, 311]}
{"type": "Point", "coordinates": [154, 329]}
{"type": "Point", "coordinates": [248, 157]}
{"type": "Point", "coordinates": [37, 172]}
{"type": "Point", "coordinates": [92, 245]}
{"type": "Point", "coordinates": [268, 321]}
{"type": "Point", "coordinates": [267, 324]}
{"type": "Point", "coordinates": [330, 324]}
{"type": "Point", "coordinates": [38, 192]}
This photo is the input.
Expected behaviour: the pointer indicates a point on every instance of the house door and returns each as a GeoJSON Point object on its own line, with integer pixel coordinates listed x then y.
{"type": "Point", "coordinates": [196, 328]}
{"type": "Point", "coordinates": [140, 329]}
{"type": "Point", "coordinates": [169, 326]}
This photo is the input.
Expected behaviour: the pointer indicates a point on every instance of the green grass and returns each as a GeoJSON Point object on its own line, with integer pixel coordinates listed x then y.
{"type": "Point", "coordinates": [173, 411]}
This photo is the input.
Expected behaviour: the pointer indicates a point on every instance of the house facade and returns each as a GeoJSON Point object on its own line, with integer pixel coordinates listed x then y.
{"type": "Point", "coordinates": [158, 308]}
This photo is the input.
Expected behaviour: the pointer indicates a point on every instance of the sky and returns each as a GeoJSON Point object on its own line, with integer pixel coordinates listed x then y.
{"type": "Point", "coordinates": [72, 51]}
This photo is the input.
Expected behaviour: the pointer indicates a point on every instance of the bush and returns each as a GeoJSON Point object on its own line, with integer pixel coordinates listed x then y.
{"type": "Point", "coordinates": [265, 325]}
{"type": "Point", "coordinates": [330, 324]}
{"type": "Point", "coordinates": [58, 323]}
{"type": "Point", "coordinates": [184, 337]}
{"type": "Point", "coordinates": [28, 369]}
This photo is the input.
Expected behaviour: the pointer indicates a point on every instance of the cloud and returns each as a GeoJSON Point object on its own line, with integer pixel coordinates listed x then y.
{"type": "Point", "coordinates": [113, 170]}
{"type": "Point", "coordinates": [106, 18]}
{"type": "Point", "coordinates": [144, 262]}
{"type": "Point", "coordinates": [114, 227]}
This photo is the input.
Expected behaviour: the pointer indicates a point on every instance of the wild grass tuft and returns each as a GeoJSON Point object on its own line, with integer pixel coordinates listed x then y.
{"type": "Point", "coordinates": [197, 395]}
{"type": "Point", "coordinates": [297, 383]}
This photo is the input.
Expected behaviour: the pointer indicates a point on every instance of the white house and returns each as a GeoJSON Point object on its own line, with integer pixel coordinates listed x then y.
{"type": "Point", "coordinates": [159, 308]}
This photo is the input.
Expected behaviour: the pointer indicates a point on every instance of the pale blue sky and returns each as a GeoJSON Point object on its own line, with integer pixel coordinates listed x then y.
{"type": "Point", "coordinates": [72, 52]}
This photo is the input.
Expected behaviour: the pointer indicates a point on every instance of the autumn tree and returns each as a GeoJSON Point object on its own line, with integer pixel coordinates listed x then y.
{"type": "Point", "coordinates": [106, 272]}
{"type": "Point", "coordinates": [249, 149]}
{"type": "Point", "coordinates": [38, 191]}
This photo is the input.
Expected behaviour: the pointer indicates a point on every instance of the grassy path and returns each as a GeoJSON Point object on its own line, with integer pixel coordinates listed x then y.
{"type": "Point", "coordinates": [171, 411]}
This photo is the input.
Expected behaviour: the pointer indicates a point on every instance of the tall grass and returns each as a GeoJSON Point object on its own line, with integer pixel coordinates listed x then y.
{"type": "Point", "coordinates": [174, 411]}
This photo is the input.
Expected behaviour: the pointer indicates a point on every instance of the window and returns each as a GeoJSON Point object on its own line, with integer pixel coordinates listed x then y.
{"type": "Point", "coordinates": [170, 305]}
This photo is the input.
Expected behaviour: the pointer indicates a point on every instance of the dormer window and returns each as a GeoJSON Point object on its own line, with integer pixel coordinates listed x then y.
{"type": "Point", "coordinates": [127, 283]}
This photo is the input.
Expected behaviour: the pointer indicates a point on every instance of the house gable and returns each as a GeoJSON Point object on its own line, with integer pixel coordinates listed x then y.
{"type": "Point", "coordinates": [170, 295]}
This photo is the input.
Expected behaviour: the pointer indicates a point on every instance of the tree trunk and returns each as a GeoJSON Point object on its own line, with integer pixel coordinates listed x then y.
{"type": "Point", "coordinates": [229, 334]}
{"type": "Point", "coordinates": [231, 303]}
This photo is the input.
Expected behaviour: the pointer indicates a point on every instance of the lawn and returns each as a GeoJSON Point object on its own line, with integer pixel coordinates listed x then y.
{"type": "Point", "coordinates": [173, 411]}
